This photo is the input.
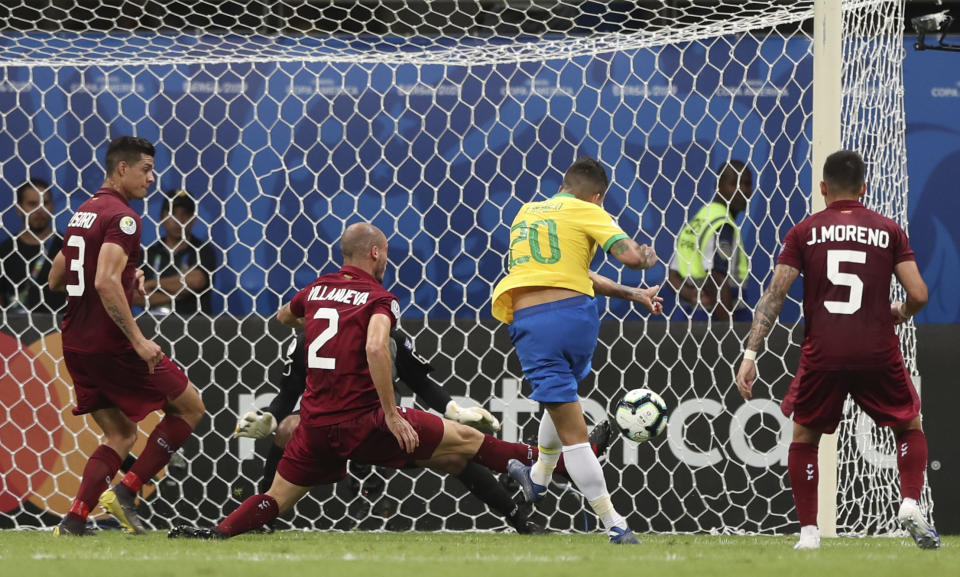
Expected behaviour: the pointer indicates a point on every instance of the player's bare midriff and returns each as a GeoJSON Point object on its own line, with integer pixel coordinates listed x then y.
{"type": "Point", "coordinates": [529, 296]}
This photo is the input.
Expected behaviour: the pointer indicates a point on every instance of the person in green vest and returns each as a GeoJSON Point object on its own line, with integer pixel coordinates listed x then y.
{"type": "Point", "coordinates": [709, 265]}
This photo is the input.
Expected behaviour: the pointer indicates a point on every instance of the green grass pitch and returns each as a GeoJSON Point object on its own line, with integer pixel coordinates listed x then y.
{"type": "Point", "coordinates": [296, 554]}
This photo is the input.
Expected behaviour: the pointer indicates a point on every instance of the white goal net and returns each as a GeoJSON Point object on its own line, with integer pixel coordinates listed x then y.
{"type": "Point", "coordinates": [285, 121]}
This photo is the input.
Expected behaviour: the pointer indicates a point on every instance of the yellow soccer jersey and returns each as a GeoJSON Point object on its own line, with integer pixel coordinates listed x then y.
{"type": "Point", "coordinates": [551, 244]}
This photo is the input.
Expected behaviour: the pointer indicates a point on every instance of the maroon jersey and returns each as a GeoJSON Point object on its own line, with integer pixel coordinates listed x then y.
{"type": "Point", "coordinates": [104, 218]}
{"type": "Point", "coordinates": [337, 308]}
{"type": "Point", "coordinates": [847, 254]}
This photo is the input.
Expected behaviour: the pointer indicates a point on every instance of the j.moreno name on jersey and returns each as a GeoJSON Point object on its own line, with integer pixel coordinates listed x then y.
{"type": "Point", "coordinates": [849, 233]}
{"type": "Point", "coordinates": [340, 295]}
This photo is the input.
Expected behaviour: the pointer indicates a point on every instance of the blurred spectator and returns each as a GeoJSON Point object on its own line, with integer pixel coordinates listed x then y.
{"type": "Point", "coordinates": [709, 265]}
{"type": "Point", "coordinates": [179, 265]}
{"type": "Point", "coordinates": [25, 259]}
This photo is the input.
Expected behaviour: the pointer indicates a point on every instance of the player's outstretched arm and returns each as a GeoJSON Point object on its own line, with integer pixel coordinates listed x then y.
{"type": "Point", "coordinates": [286, 316]}
{"type": "Point", "coordinates": [110, 264]}
{"type": "Point", "coordinates": [633, 255]}
{"type": "Point", "coordinates": [909, 276]}
{"type": "Point", "coordinates": [57, 279]}
{"type": "Point", "coordinates": [768, 309]}
{"type": "Point", "coordinates": [645, 296]}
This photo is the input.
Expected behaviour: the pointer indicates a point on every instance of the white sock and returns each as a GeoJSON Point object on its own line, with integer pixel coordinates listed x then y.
{"type": "Point", "coordinates": [909, 501]}
{"type": "Point", "coordinates": [549, 446]}
{"type": "Point", "coordinates": [584, 469]}
{"type": "Point", "coordinates": [603, 507]}
{"type": "Point", "coordinates": [809, 530]}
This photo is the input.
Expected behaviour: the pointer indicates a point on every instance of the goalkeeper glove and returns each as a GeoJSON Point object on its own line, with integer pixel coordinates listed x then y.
{"type": "Point", "coordinates": [255, 426]}
{"type": "Point", "coordinates": [476, 417]}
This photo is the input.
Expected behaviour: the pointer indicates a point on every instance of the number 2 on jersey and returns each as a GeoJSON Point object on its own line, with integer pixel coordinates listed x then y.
{"type": "Point", "coordinates": [853, 303]}
{"type": "Point", "coordinates": [315, 361]}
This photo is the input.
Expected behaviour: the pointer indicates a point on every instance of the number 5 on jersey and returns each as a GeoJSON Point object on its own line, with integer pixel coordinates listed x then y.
{"type": "Point", "coordinates": [854, 302]}
{"type": "Point", "coordinates": [315, 361]}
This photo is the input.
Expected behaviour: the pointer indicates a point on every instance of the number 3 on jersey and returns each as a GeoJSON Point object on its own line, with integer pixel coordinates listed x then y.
{"type": "Point", "coordinates": [314, 361]}
{"type": "Point", "coordinates": [76, 264]}
{"type": "Point", "coordinates": [834, 259]}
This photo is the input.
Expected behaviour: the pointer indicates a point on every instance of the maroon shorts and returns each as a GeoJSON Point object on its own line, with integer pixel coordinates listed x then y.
{"type": "Point", "coordinates": [815, 398]}
{"type": "Point", "coordinates": [319, 455]}
{"type": "Point", "coordinates": [122, 380]}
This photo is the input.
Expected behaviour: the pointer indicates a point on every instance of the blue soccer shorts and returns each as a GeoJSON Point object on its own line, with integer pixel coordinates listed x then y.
{"type": "Point", "coordinates": [555, 342]}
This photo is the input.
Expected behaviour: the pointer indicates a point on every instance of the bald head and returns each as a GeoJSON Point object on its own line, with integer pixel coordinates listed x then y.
{"type": "Point", "coordinates": [358, 239]}
{"type": "Point", "coordinates": [365, 247]}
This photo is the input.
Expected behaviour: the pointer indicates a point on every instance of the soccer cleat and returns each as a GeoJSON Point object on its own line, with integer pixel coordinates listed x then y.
{"type": "Point", "coordinates": [809, 538]}
{"type": "Point", "coordinates": [601, 437]}
{"type": "Point", "coordinates": [73, 529]}
{"type": "Point", "coordinates": [521, 474]}
{"type": "Point", "coordinates": [620, 536]}
{"type": "Point", "coordinates": [119, 502]}
{"type": "Point", "coordinates": [520, 520]}
{"type": "Point", "coordinates": [528, 527]}
{"type": "Point", "coordinates": [923, 533]}
{"type": "Point", "coordinates": [190, 532]}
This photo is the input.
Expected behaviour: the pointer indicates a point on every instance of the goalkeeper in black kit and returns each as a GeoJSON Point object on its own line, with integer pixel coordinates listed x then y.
{"type": "Point", "coordinates": [281, 419]}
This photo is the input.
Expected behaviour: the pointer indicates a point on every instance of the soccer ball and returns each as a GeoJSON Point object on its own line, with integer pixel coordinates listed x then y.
{"type": "Point", "coordinates": [641, 415]}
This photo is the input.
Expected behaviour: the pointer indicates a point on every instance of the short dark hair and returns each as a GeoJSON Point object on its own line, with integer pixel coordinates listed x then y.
{"type": "Point", "coordinates": [844, 170]}
{"type": "Point", "coordinates": [179, 198]}
{"type": "Point", "coordinates": [127, 149]}
{"type": "Point", "coordinates": [585, 176]}
{"type": "Point", "coordinates": [37, 184]}
{"type": "Point", "coordinates": [733, 169]}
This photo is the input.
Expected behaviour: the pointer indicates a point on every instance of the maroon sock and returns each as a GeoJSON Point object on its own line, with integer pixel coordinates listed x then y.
{"type": "Point", "coordinates": [256, 511]}
{"type": "Point", "coordinates": [912, 461]}
{"type": "Point", "coordinates": [168, 436]}
{"type": "Point", "coordinates": [802, 468]}
{"type": "Point", "coordinates": [102, 465]}
{"type": "Point", "coordinates": [494, 453]}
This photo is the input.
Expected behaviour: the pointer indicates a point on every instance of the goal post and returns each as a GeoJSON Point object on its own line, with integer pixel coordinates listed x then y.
{"type": "Point", "coordinates": [435, 121]}
{"type": "Point", "coordinates": [827, 106]}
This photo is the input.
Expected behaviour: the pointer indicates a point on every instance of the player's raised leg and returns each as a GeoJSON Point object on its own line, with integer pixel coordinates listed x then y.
{"type": "Point", "coordinates": [181, 415]}
{"type": "Point", "coordinates": [584, 469]}
{"type": "Point", "coordinates": [119, 435]}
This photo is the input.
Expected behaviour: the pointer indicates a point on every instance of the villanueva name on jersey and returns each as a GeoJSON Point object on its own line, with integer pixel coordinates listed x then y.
{"type": "Point", "coordinates": [82, 219]}
{"type": "Point", "coordinates": [849, 233]}
{"type": "Point", "coordinates": [340, 295]}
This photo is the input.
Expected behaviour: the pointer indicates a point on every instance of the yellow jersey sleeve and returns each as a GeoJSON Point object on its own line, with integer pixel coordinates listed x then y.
{"type": "Point", "coordinates": [600, 226]}
{"type": "Point", "coordinates": [551, 245]}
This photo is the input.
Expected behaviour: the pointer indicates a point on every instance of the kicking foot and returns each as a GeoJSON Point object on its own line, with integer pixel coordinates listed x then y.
{"type": "Point", "coordinates": [809, 538]}
{"type": "Point", "coordinates": [521, 474]}
{"type": "Point", "coordinates": [620, 536]}
{"type": "Point", "coordinates": [601, 437]}
{"type": "Point", "coordinates": [73, 529]}
{"type": "Point", "coordinates": [121, 503]}
{"type": "Point", "coordinates": [190, 532]}
{"type": "Point", "coordinates": [923, 533]}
